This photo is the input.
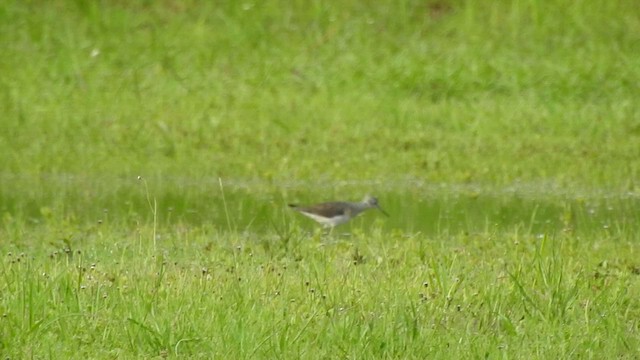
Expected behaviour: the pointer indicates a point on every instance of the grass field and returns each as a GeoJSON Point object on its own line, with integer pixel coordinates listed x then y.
{"type": "Point", "coordinates": [149, 149]}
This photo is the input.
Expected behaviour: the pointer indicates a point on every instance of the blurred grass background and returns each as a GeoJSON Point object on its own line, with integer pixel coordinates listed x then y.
{"type": "Point", "coordinates": [445, 91]}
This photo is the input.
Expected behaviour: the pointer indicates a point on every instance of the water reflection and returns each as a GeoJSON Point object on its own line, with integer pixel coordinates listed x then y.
{"type": "Point", "coordinates": [259, 206]}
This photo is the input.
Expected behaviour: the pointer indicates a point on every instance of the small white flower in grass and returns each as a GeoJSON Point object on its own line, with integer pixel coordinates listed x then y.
{"type": "Point", "coordinates": [95, 52]}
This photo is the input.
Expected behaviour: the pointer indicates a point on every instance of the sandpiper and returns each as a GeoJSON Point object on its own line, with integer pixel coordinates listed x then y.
{"type": "Point", "coordinates": [331, 214]}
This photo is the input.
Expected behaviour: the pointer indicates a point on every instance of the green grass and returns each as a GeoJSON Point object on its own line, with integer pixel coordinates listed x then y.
{"type": "Point", "coordinates": [480, 92]}
{"type": "Point", "coordinates": [500, 135]}
{"type": "Point", "coordinates": [207, 293]}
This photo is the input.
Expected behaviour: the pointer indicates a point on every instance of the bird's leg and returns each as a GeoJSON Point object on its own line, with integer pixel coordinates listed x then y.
{"type": "Point", "coordinates": [328, 230]}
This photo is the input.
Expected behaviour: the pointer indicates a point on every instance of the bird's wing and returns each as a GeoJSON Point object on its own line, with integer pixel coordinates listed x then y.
{"type": "Point", "coordinates": [329, 209]}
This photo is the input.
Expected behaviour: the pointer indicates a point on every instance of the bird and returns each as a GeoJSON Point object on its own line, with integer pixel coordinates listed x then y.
{"type": "Point", "coordinates": [334, 213]}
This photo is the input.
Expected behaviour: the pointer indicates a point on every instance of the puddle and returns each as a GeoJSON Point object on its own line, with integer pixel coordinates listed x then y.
{"type": "Point", "coordinates": [258, 206]}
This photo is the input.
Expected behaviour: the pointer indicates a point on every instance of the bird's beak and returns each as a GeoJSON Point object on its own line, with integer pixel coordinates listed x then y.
{"type": "Point", "coordinates": [382, 211]}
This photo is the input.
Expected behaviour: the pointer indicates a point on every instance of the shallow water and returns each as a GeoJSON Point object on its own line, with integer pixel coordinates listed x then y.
{"type": "Point", "coordinates": [260, 206]}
